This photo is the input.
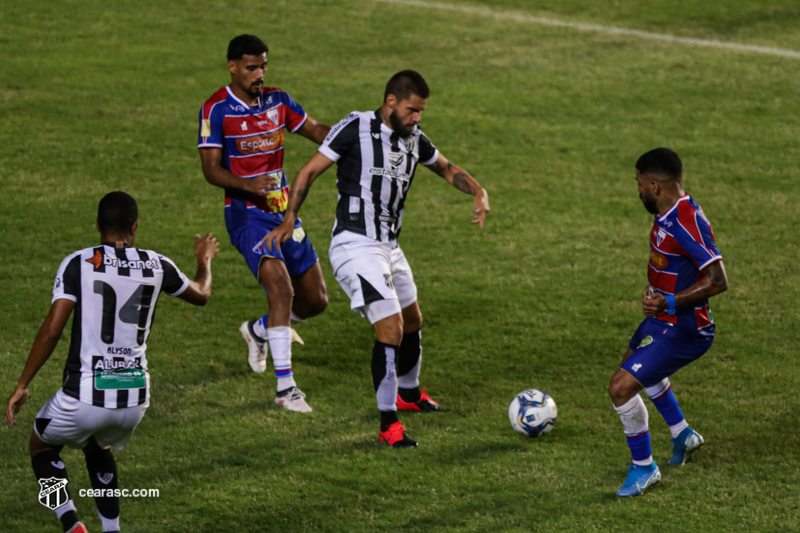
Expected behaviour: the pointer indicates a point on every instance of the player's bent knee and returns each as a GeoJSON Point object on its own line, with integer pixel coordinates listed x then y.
{"type": "Point", "coordinates": [319, 304]}
{"type": "Point", "coordinates": [390, 330]}
{"type": "Point", "coordinates": [413, 324]}
{"type": "Point", "coordinates": [622, 387]}
{"type": "Point", "coordinates": [37, 446]}
{"type": "Point", "coordinates": [92, 447]}
{"type": "Point", "coordinates": [412, 318]}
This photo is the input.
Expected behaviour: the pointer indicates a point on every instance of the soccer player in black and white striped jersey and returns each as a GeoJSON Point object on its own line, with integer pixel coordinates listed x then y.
{"type": "Point", "coordinates": [112, 290]}
{"type": "Point", "coordinates": [377, 153]}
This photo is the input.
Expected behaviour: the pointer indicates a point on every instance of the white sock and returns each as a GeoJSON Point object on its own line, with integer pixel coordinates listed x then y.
{"type": "Point", "coordinates": [678, 428]}
{"type": "Point", "coordinates": [280, 347]}
{"type": "Point", "coordinates": [387, 390]}
{"type": "Point", "coordinates": [658, 389]}
{"type": "Point", "coordinates": [109, 524]}
{"type": "Point", "coordinates": [635, 421]}
{"type": "Point", "coordinates": [69, 506]}
{"type": "Point", "coordinates": [259, 329]}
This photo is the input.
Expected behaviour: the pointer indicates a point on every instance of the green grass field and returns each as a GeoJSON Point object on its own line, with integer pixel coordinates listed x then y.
{"type": "Point", "coordinates": [105, 96]}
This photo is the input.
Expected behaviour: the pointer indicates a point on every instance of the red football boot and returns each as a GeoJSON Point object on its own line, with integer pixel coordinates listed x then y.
{"type": "Point", "coordinates": [425, 404]}
{"type": "Point", "coordinates": [395, 436]}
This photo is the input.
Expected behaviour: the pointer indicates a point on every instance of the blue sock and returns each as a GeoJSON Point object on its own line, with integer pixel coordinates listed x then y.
{"type": "Point", "coordinates": [640, 447]}
{"type": "Point", "coordinates": [668, 406]}
{"type": "Point", "coordinates": [663, 398]}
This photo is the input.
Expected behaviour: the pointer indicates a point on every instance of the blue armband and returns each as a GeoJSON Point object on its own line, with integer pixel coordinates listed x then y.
{"type": "Point", "coordinates": [670, 304]}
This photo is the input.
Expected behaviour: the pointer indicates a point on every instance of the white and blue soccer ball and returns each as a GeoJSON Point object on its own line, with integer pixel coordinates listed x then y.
{"type": "Point", "coordinates": [532, 412]}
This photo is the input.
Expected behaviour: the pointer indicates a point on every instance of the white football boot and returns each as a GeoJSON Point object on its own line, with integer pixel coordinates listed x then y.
{"type": "Point", "coordinates": [256, 348]}
{"type": "Point", "coordinates": [294, 400]}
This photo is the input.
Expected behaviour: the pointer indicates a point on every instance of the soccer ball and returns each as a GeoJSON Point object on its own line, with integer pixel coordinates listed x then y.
{"type": "Point", "coordinates": [532, 412]}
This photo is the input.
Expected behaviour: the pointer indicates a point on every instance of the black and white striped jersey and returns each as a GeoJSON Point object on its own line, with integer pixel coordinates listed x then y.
{"type": "Point", "coordinates": [115, 292]}
{"type": "Point", "coordinates": [375, 170]}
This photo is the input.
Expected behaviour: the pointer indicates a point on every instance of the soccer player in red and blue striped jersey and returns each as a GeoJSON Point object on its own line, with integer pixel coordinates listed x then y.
{"type": "Point", "coordinates": [684, 271]}
{"type": "Point", "coordinates": [241, 141]}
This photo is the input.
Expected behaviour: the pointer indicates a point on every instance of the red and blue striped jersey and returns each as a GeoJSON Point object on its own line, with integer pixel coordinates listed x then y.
{"type": "Point", "coordinates": [681, 246]}
{"type": "Point", "coordinates": [251, 139]}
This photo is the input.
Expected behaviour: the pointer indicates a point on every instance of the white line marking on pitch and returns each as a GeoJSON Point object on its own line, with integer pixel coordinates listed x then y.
{"type": "Point", "coordinates": [600, 29]}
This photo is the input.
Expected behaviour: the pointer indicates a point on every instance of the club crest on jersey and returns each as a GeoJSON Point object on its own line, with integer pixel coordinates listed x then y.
{"type": "Point", "coordinates": [396, 159]}
{"type": "Point", "coordinates": [53, 492]}
{"type": "Point", "coordinates": [272, 114]}
{"type": "Point", "coordinates": [661, 236]}
{"type": "Point", "coordinates": [647, 341]}
{"type": "Point", "coordinates": [410, 145]}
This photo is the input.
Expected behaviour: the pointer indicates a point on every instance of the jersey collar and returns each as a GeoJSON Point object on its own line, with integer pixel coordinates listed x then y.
{"type": "Point", "coordinates": [230, 93]}
{"type": "Point", "coordinates": [673, 208]}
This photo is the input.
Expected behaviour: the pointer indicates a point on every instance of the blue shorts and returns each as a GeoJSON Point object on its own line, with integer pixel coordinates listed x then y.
{"type": "Point", "coordinates": [661, 349]}
{"type": "Point", "coordinates": [297, 253]}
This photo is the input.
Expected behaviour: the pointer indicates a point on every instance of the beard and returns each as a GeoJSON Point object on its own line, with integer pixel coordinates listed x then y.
{"type": "Point", "coordinates": [650, 204]}
{"type": "Point", "coordinates": [403, 131]}
{"type": "Point", "coordinates": [255, 89]}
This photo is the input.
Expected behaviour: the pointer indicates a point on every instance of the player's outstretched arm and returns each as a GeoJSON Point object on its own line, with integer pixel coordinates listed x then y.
{"type": "Point", "coordinates": [199, 290]}
{"type": "Point", "coordinates": [713, 281]}
{"type": "Point", "coordinates": [300, 186]}
{"type": "Point", "coordinates": [215, 174]}
{"type": "Point", "coordinates": [461, 180]}
{"type": "Point", "coordinates": [313, 130]}
{"type": "Point", "coordinates": [43, 347]}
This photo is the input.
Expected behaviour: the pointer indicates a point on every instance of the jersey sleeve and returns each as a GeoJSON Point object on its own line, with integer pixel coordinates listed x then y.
{"type": "Point", "coordinates": [341, 138]}
{"type": "Point", "coordinates": [175, 281]}
{"type": "Point", "coordinates": [295, 114]}
{"type": "Point", "coordinates": [428, 153]}
{"type": "Point", "coordinates": [210, 134]}
{"type": "Point", "coordinates": [693, 232]}
{"type": "Point", "coordinates": [68, 279]}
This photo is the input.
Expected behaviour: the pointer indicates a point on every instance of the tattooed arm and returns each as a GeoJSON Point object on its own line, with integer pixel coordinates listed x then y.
{"type": "Point", "coordinates": [300, 186]}
{"type": "Point", "coordinates": [461, 180]}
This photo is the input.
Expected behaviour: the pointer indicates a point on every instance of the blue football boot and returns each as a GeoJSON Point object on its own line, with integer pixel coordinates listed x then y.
{"type": "Point", "coordinates": [639, 478]}
{"type": "Point", "coordinates": [684, 445]}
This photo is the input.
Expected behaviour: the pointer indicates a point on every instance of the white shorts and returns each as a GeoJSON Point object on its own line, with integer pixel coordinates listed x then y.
{"type": "Point", "coordinates": [375, 275]}
{"type": "Point", "coordinates": [65, 420]}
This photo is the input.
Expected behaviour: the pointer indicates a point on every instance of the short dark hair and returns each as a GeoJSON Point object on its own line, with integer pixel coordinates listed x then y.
{"type": "Point", "coordinates": [242, 45]}
{"type": "Point", "coordinates": [661, 161]}
{"type": "Point", "coordinates": [117, 213]}
{"type": "Point", "coordinates": [405, 83]}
